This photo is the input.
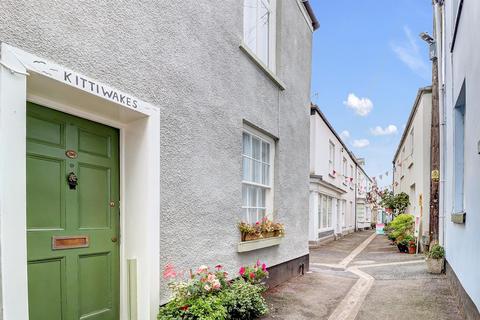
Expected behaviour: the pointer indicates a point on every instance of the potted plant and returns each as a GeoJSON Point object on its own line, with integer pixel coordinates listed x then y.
{"type": "Point", "coordinates": [435, 259]}
{"type": "Point", "coordinates": [264, 228]}
{"type": "Point", "coordinates": [402, 245]}
{"type": "Point", "coordinates": [249, 232]}
{"type": "Point", "coordinates": [412, 245]}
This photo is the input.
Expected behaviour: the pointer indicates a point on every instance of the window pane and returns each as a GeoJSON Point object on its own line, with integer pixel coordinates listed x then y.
{"type": "Point", "coordinates": [261, 214]}
{"type": "Point", "coordinates": [247, 169]}
{"type": "Point", "coordinates": [263, 33]}
{"type": "Point", "coordinates": [261, 197]}
{"type": "Point", "coordinates": [244, 196]}
{"type": "Point", "coordinates": [257, 172]}
{"type": "Point", "coordinates": [252, 215]}
{"type": "Point", "coordinates": [265, 152]}
{"type": "Point", "coordinates": [266, 174]}
{"type": "Point", "coordinates": [256, 144]}
{"type": "Point", "coordinates": [252, 196]}
{"type": "Point", "coordinates": [250, 24]}
{"type": "Point", "coordinates": [247, 144]}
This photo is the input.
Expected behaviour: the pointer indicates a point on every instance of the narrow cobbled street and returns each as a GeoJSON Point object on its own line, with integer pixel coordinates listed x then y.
{"type": "Point", "coordinates": [363, 277]}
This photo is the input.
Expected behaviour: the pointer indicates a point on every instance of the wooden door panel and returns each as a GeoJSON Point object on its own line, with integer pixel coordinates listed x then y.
{"type": "Point", "coordinates": [94, 143]}
{"type": "Point", "coordinates": [45, 131]}
{"type": "Point", "coordinates": [46, 289]}
{"type": "Point", "coordinates": [95, 286]}
{"type": "Point", "coordinates": [45, 193]}
{"type": "Point", "coordinates": [93, 202]}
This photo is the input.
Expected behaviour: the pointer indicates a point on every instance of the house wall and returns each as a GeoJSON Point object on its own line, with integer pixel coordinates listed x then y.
{"type": "Point", "coordinates": [334, 185]}
{"type": "Point", "coordinates": [412, 167]}
{"type": "Point", "coordinates": [184, 57]}
{"type": "Point", "coordinates": [363, 210]}
{"type": "Point", "coordinates": [462, 63]}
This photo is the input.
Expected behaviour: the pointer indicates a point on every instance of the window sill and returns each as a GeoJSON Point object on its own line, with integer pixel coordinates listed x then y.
{"type": "Point", "coordinates": [279, 83]}
{"type": "Point", "coordinates": [252, 245]}
{"type": "Point", "coordinates": [458, 217]}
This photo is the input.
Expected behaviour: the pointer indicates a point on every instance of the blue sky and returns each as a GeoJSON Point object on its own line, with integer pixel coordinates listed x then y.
{"type": "Point", "coordinates": [368, 63]}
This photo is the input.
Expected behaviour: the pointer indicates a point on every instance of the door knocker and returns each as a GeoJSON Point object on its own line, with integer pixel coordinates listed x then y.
{"type": "Point", "coordinates": [72, 181]}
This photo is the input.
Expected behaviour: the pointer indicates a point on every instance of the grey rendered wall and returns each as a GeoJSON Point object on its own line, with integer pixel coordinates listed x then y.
{"type": "Point", "coordinates": [184, 57]}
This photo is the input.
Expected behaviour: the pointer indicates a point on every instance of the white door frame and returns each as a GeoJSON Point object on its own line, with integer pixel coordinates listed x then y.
{"type": "Point", "coordinates": [23, 77]}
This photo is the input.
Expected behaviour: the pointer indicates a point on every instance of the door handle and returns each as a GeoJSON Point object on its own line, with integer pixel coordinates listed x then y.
{"type": "Point", "coordinates": [114, 239]}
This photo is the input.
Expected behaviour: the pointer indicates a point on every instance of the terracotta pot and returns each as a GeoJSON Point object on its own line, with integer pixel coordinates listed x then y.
{"type": "Point", "coordinates": [412, 250]}
{"type": "Point", "coordinates": [435, 266]}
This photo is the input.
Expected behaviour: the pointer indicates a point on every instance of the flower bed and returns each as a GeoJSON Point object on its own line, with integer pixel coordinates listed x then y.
{"type": "Point", "coordinates": [210, 295]}
{"type": "Point", "coordinates": [262, 229]}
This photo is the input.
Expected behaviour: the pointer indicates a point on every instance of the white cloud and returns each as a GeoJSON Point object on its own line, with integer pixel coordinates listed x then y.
{"type": "Point", "coordinates": [361, 106]}
{"type": "Point", "coordinates": [362, 143]}
{"type": "Point", "coordinates": [345, 134]}
{"type": "Point", "coordinates": [379, 131]}
{"type": "Point", "coordinates": [409, 53]}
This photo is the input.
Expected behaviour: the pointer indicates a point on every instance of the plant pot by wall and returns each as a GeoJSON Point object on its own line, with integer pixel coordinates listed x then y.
{"type": "Point", "coordinates": [412, 250]}
{"type": "Point", "coordinates": [435, 266]}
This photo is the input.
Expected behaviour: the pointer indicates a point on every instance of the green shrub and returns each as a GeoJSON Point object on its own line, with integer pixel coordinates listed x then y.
{"type": "Point", "coordinates": [402, 226]}
{"type": "Point", "coordinates": [208, 295]}
{"type": "Point", "coordinates": [244, 301]}
{"type": "Point", "coordinates": [436, 252]}
{"type": "Point", "coordinates": [205, 308]}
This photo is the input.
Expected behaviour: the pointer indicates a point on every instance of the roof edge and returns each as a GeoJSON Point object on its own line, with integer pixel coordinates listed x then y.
{"type": "Point", "coordinates": [420, 92]}
{"type": "Point", "coordinates": [315, 108]}
{"type": "Point", "coordinates": [311, 14]}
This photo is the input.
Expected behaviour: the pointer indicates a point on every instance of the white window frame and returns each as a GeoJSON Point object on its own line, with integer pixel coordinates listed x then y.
{"type": "Point", "coordinates": [412, 143]}
{"type": "Point", "coordinates": [331, 158]}
{"type": "Point", "coordinates": [269, 188]}
{"type": "Point", "coordinates": [345, 169]}
{"type": "Point", "coordinates": [459, 152]}
{"type": "Point", "coordinates": [328, 214]}
{"type": "Point", "coordinates": [271, 6]}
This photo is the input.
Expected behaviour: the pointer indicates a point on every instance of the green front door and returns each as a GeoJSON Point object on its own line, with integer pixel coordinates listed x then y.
{"type": "Point", "coordinates": [73, 249]}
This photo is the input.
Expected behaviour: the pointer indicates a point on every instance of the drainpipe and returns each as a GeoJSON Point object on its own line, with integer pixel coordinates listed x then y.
{"type": "Point", "coordinates": [356, 195]}
{"type": "Point", "coordinates": [439, 35]}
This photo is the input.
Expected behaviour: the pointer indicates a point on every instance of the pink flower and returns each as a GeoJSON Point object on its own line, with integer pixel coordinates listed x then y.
{"type": "Point", "coordinates": [216, 285]}
{"type": "Point", "coordinates": [169, 271]}
{"type": "Point", "coordinates": [242, 271]}
{"type": "Point", "coordinates": [211, 278]}
{"type": "Point", "coordinates": [258, 263]}
{"type": "Point", "coordinates": [252, 275]}
{"type": "Point", "coordinates": [264, 267]}
{"type": "Point", "coordinates": [218, 266]}
{"type": "Point", "coordinates": [202, 269]}
{"type": "Point", "coordinates": [257, 223]}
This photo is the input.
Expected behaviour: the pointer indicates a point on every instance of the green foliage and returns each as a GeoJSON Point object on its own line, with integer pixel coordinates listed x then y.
{"type": "Point", "coordinates": [401, 202]}
{"type": "Point", "coordinates": [208, 295]}
{"type": "Point", "coordinates": [207, 307]}
{"type": "Point", "coordinates": [402, 226]}
{"type": "Point", "coordinates": [244, 301]}
{"type": "Point", "coordinates": [436, 252]}
{"type": "Point", "coordinates": [398, 202]}
{"type": "Point", "coordinates": [387, 200]}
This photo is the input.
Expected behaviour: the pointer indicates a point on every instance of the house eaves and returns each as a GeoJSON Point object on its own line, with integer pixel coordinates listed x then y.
{"type": "Point", "coordinates": [420, 93]}
{"type": "Point", "coordinates": [315, 109]}
{"type": "Point", "coordinates": [311, 14]}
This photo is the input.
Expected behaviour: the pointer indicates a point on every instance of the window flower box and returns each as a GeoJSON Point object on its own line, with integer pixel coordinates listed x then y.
{"type": "Point", "coordinates": [263, 229]}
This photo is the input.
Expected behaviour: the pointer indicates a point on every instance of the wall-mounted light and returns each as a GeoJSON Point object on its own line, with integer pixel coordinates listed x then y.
{"type": "Point", "coordinates": [431, 43]}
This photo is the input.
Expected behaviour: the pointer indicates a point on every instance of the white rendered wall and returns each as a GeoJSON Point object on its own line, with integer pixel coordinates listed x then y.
{"type": "Point", "coordinates": [463, 64]}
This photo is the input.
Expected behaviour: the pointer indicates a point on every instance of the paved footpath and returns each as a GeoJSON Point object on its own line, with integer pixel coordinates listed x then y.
{"type": "Point", "coordinates": [363, 277]}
